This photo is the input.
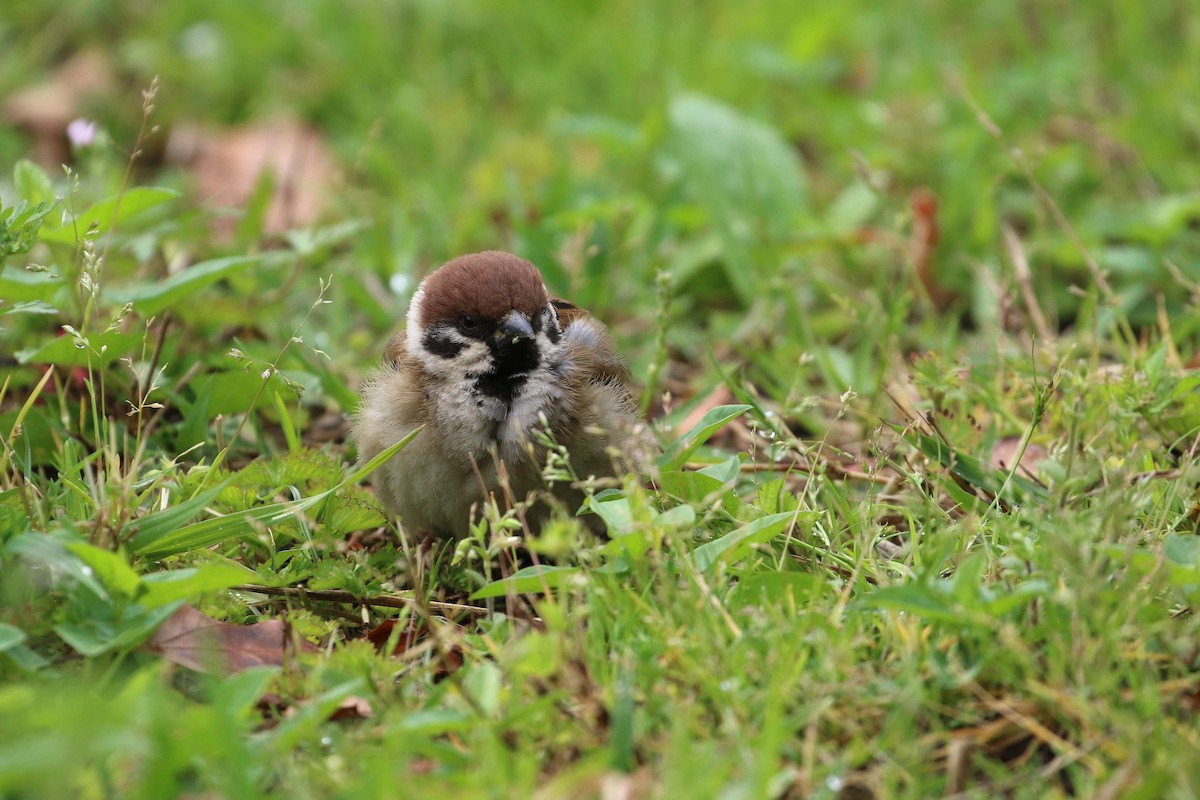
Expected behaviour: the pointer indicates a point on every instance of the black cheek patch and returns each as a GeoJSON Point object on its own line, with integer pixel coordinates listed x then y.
{"type": "Point", "coordinates": [544, 321]}
{"type": "Point", "coordinates": [441, 344]}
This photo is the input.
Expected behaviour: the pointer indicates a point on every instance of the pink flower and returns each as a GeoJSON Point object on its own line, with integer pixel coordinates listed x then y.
{"type": "Point", "coordinates": [82, 133]}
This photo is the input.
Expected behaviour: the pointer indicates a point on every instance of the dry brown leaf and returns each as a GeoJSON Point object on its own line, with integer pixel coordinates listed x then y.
{"type": "Point", "coordinates": [410, 636]}
{"type": "Point", "coordinates": [353, 707]}
{"type": "Point", "coordinates": [194, 640]}
{"type": "Point", "coordinates": [381, 633]}
{"type": "Point", "coordinates": [1004, 455]}
{"type": "Point", "coordinates": [226, 166]}
{"type": "Point", "coordinates": [922, 244]}
{"type": "Point", "coordinates": [45, 109]}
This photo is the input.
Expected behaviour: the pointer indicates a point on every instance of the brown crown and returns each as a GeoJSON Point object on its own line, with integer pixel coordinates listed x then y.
{"type": "Point", "coordinates": [485, 285]}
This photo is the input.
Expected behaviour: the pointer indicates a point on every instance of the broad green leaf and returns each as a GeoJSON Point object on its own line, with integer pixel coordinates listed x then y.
{"type": "Point", "coordinates": [485, 684]}
{"type": "Point", "coordinates": [50, 551]}
{"type": "Point", "coordinates": [22, 285]}
{"type": "Point", "coordinates": [677, 517]}
{"type": "Point", "coordinates": [236, 695]}
{"type": "Point", "coordinates": [101, 349]}
{"type": "Point", "coordinates": [29, 307]}
{"type": "Point", "coordinates": [308, 241]}
{"type": "Point", "coordinates": [743, 173]}
{"type": "Point", "coordinates": [1182, 550]}
{"type": "Point", "coordinates": [775, 498]}
{"type": "Point", "coordinates": [852, 208]}
{"type": "Point", "coordinates": [105, 213]}
{"type": "Point", "coordinates": [772, 588]}
{"type": "Point", "coordinates": [151, 298]}
{"type": "Point", "coordinates": [968, 577]}
{"type": "Point", "coordinates": [915, 598]}
{"type": "Point", "coordinates": [724, 472]}
{"type": "Point", "coordinates": [530, 580]}
{"type": "Point", "coordinates": [434, 722]}
{"type": "Point", "coordinates": [100, 634]}
{"type": "Point", "coordinates": [233, 391]}
{"type": "Point", "coordinates": [1011, 599]}
{"type": "Point", "coordinates": [10, 636]}
{"type": "Point", "coordinates": [612, 507]}
{"type": "Point", "coordinates": [734, 545]}
{"type": "Point", "coordinates": [161, 588]}
{"type": "Point", "coordinates": [683, 447]}
{"type": "Point", "coordinates": [25, 658]}
{"type": "Point", "coordinates": [196, 417]}
{"type": "Point", "coordinates": [32, 183]}
{"type": "Point", "coordinates": [694, 487]}
{"type": "Point", "coordinates": [354, 511]}
{"type": "Point", "coordinates": [111, 569]}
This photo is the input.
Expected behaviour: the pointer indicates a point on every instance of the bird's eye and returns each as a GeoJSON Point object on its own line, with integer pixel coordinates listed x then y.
{"type": "Point", "coordinates": [467, 322]}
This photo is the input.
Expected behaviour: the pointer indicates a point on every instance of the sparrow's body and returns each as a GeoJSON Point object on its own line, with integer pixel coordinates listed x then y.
{"type": "Point", "coordinates": [484, 357]}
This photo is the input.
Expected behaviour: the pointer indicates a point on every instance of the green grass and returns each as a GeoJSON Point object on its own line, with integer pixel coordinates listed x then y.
{"type": "Point", "coordinates": [836, 583]}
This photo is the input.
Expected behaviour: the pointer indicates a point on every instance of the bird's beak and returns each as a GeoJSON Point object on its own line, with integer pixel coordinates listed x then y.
{"type": "Point", "coordinates": [514, 327]}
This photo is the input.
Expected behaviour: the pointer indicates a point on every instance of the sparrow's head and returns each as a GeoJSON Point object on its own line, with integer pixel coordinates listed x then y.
{"type": "Point", "coordinates": [486, 318]}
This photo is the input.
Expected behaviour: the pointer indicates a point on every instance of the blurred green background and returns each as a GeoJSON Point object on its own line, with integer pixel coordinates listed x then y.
{"type": "Point", "coordinates": [799, 200]}
{"type": "Point", "coordinates": [745, 147]}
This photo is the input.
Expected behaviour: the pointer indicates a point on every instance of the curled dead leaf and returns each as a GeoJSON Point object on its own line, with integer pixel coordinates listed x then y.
{"type": "Point", "coordinates": [353, 707]}
{"type": "Point", "coordinates": [411, 635]}
{"type": "Point", "coordinates": [194, 640]}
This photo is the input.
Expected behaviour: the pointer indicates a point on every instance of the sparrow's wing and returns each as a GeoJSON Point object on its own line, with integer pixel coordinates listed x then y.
{"type": "Point", "coordinates": [606, 364]}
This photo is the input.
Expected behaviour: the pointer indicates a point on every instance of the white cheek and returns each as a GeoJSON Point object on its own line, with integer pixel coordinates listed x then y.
{"type": "Point", "coordinates": [412, 326]}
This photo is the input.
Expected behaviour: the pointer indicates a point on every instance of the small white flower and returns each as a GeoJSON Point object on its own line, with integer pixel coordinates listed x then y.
{"type": "Point", "coordinates": [400, 283]}
{"type": "Point", "coordinates": [266, 373]}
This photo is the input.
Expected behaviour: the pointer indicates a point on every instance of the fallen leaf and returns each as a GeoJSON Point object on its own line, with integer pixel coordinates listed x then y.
{"type": "Point", "coordinates": [45, 109]}
{"type": "Point", "coordinates": [226, 166]}
{"type": "Point", "coordinates": [1004, 455]}
{"type": "Point", "coordinates": [352, 707]}
{"type": "Point", "coordinates": [275, 708]}
{"type": "Point", "coordinates": [381, 633]}
{"type": "Point", "coordinates": [413, 634]}
{"type": "Point", "coordinates": [194, 640]}
{"type": "Point", "coordinates": [923, 241]}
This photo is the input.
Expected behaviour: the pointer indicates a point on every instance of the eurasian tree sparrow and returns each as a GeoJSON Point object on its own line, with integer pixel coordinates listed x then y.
{"type": "Point", "coordinates": [486, 355]}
